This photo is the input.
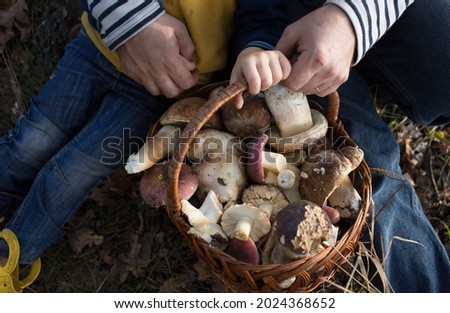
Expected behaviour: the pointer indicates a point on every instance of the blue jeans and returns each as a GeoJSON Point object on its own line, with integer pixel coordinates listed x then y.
{"type": "Point", "coordinates": [411, 63]}
{"type": "Point", "coordinates": [82, 125]}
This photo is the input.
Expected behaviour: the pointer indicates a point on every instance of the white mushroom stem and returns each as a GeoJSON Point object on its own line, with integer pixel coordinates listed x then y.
{"type": "Point", "coordinates": [286, 179]}
{"type": "Point", "coordinates": [293, 193]}
{"type": "Point", "coordinates": [203, 226]}
{"type": "Point", "coordinates": [243, 228]}
{"type": "Point", "coordinates": [290, 110]}
{"type": "Point", "coordinates": [155, 149]}
{"type": "Point", "coordinates": [273, 161]}
{"type": "Point", "coordinates": [211, 207]}
{"type": "Point", "coordinates": [345, 197]}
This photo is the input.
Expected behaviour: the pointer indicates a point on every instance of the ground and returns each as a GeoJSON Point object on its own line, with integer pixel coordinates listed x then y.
{"type": "Point", "coordinates": [116, 243]}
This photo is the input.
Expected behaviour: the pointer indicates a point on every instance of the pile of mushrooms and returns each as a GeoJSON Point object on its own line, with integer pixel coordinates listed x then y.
{"type": "Point", "coordinates": [248, 186]}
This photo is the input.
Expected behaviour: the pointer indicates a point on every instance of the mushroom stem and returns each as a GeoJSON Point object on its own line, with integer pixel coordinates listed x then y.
{"type": "Point", "coordinates": [284, 104]}
{"type": "Point", "coordinates": [286, 179]}
{"type": "Point", "coordinates": [273, 161]}
{"type": "Point", "coordinates": [346, 199]}
{"type": "Point", "coordinates": [292, 193]}
{"type": "Point", "coordinates": [243, 228]}
{"type": "Point", "coordinates": [155, 149]}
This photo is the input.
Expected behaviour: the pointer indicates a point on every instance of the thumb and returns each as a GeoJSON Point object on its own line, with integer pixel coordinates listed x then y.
{"type": "Point", "coordinates": [286, 45]}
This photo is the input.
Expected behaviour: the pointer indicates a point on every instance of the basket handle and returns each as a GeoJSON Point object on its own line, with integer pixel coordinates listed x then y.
{"type": "Point", "coordinates": [197, 122]}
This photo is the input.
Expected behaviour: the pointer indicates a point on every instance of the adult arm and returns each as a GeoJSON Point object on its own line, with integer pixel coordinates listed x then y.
{"type": "Point", "coordinates": [371, 19]}
{"type": "Point", "coordinates": [155, 48]}
{"type": "Point", "coordinates": [324, 44]}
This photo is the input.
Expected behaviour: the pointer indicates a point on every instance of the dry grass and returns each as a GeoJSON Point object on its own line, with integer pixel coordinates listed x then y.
{"type": "Point", "coordinates": [117, 244]}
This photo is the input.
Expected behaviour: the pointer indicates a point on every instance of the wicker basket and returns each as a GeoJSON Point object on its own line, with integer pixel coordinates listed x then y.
{"type": "Point", "coordinates": [244, 277]}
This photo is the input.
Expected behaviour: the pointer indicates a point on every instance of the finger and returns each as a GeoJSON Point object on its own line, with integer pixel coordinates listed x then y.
{"type": "Point", "coordinates": [301, 73]}
{"type": "Point", "coordinates": [186, 45]}
{"type": "Point", "coordinates": [253, 79]}
{"type": "Point", "coordinates": [238, 101]}
{"type": "Point", "coordinates": [287, 43]}
{"type": "Point", "coordinates": [236, 73]}
{"type": "Point", "coordinates": [285, 67]}
{"type": "Point", "coordinates": [266, 75]}
{"type": "Point", "coordinates": [151, 87]}
{"type": "Point", "coordinates": [167, 86]}
{"type": "Point", "coordinates": [182, 73]}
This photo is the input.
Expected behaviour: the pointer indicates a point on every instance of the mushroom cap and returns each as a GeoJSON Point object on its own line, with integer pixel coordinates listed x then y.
{"type": "Point", "coordinates": [260, 223]}
{"type": "Point", "coordinates": [182, 111]}
{"type": "Point", "coordinates": [249, 121]}
{"type": "Point", "coordinates": [152, 186]}
{"type": "Point", "coordinates": [261, 195]}
{"type": "Point", "coordinates": [300, 228]}
{"type": "Point", "coordinates": [323, 171]}
{"type": "Point", "coordinates": [245, 251]}
{"type": "Point", "coordinates": [287, 144]}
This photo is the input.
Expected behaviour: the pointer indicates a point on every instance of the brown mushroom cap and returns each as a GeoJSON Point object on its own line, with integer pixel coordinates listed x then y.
{"type": "Point", "coordinates": [245, 251]}
{"type": "Point", "coordinates": [251, 120]}
{"type": "Point", "coordinates": [182, 111]}
{"type": "Point", "coordinates": [300, 228]}
{"type": "Point", "coordinates": [152, 186]}
{"type": "Point", "coordinates": [323, 171]}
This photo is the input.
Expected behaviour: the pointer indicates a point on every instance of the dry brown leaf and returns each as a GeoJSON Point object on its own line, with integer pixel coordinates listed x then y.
{"type": "Point", "coordinates": [82, 238]}
{"type": "Point", "coordinates": [13, 17]}
{"type": "Point", "coordinates": [203, 271]}
{"type": "Point", "coordinates": [172, 285]}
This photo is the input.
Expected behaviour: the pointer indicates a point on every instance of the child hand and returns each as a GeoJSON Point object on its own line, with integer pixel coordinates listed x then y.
{"type": "Point", "coordinates": [261, 69]}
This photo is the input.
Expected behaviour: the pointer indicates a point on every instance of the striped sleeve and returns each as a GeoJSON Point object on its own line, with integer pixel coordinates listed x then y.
{"type": "Point", "coordinates": [117, 21]}
{"type": "Point", "coordinates": [371, 19]}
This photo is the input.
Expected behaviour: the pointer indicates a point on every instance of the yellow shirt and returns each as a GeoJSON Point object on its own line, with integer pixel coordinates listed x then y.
{"type": "Point", "coordinates": [210, 25]}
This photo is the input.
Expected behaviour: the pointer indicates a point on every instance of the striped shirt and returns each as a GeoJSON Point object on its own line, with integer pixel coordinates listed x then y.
{"type": "Point", "coordinates": [371, 19]}
{"type": "Point", "coordinates": [117, 21]}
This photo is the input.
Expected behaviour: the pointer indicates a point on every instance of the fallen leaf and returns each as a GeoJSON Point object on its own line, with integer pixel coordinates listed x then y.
{"type": "Point", "coordinates": [172, 285]}
{"type": "Point", "coordinates": [82, 238]}
{"type": "Point", "coordinates": [13, 18]}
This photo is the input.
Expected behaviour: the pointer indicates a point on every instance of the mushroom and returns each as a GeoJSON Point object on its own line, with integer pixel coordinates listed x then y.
{"type": "Point", "coordinates": [212, 208]}
{"type": "Point", "coordinates": [182, 111]}
{"type": "Point", "coordinates": [268, 198]}
{"type": "Point", "coordinates": [245, 251]}
{"type": "Point", "coordinates": [262, 164]}
{"type": "Point", "coordinates": [346, 199]}
{"type": "Point", "coordinates": [290, 110]}
{"type": "Point", "coordinates": [152, 186]}
{"type": "Point", "coordinates": [155, 149]}
{"type": "Point", "coordinates": [251, 120]}
{"type": "Point", "coordinates": [244, 221]}
{"type": "Point", "coordinates": [219, 168]}
{"type": "Point", "coordinates": [291, 191]}
{"type": "Point", "coordinates": [202, 226]}
{"type": "Point", "coordinates": [302, 229]}
{"type": "Point", "coordinates": [297, 125]}
{"type": "Point", "coordinates": [325, 170]}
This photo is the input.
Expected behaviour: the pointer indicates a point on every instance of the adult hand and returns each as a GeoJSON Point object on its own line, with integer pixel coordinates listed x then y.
{"type": "Point", "coordinates": [160, 57]}
{"type": "Point", "coordinates": [261, 69]}
{"type": "Point", "coordinates": [320, 46]}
